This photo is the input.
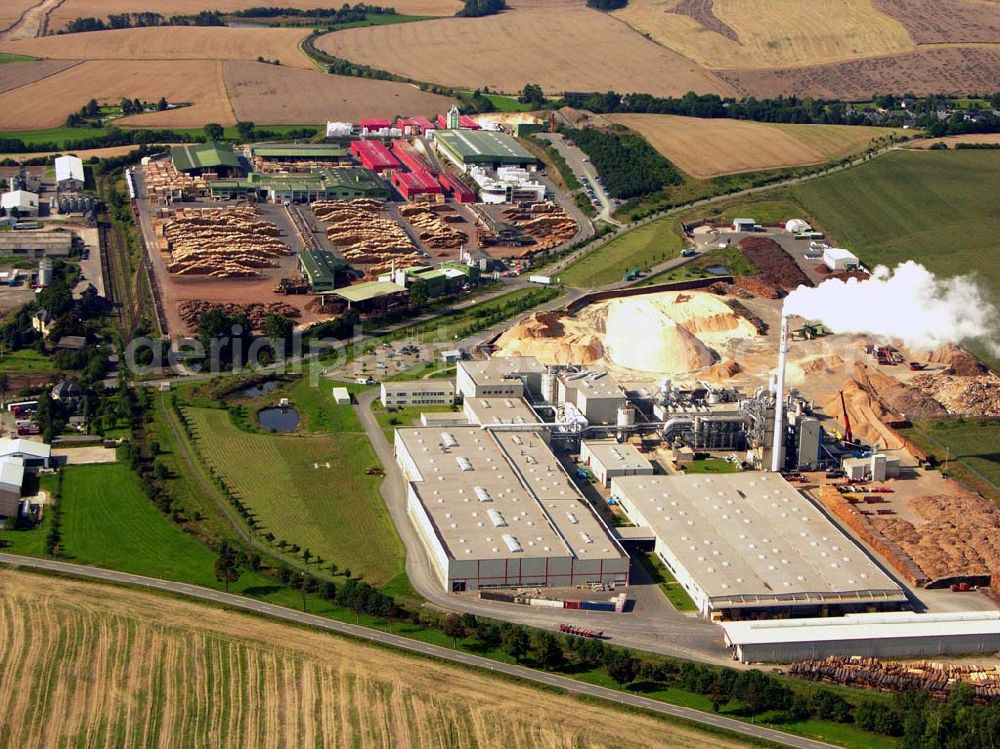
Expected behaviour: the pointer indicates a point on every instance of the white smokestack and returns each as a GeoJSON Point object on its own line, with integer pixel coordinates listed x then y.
{"type": "Point", "coordinates": [908, 304]}
{"type": "Point", "coordinates": [778, 443]}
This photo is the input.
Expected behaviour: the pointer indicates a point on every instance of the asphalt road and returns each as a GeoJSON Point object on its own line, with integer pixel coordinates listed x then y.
{"type": "Point", "coordinates": [414, 646]}
{"type": "Point", "coordinates": [581, 166]}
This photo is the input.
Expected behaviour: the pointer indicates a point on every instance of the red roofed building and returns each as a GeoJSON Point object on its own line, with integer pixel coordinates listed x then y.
{"type": "Point", "coordinates": [374, 126]}
{"type": "Point", "coordinates": [373, 155]}
{"type": "Point", "coordinates": [460, 191]}
{"type": "Point", "coordinates": [409, 157]}
{"type": "Point", "coordinates": [468, 123]}
{"type": "Point", "coordinates": [413, 184]}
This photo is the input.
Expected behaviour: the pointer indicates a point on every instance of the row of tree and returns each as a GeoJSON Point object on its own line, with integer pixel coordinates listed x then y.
{"type": "Point", "coordinates": [607, 5]}
{"type": "Point", "coordinates": [477, 8]}
{"type": "Point", "coordinates": [629, 166]}
{"type": "Point", "coordinates": [344, 14]}
{"type": "Point", "coordinates": [141, 20]}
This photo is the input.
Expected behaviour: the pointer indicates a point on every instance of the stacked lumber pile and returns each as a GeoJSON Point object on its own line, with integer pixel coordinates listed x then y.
{"type": "Point", "coordinates": [547, 223]}
{"type": "Point", "coordinates": [164, 183]}
{"type": "Point", "coordinates": [433, 231]}
{"type": "Point", "coordinates": [891, 676]}
{"type": "Point", "coordinates": [221, 242]}
{"type": "Point", "coordinates": [268, 166]}
{"type": "Point", "coordinates": [364, 237]}
{"type": "Point", "coordinates": [257, 312]}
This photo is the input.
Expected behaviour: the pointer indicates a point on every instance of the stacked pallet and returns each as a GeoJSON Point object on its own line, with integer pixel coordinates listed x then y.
{"type": "Point", "coordinates": [364, 237]}
{"type": "Point", "coordinates": [433, 230]}
{"type": "Point", "coordinates": [547, 223]}
{"type": "Point", "coordinates": [257, 312]}
{"type": "Point", "coordinates": [221, 242]}
{"type": "Point", "coordinates": [165, 184]}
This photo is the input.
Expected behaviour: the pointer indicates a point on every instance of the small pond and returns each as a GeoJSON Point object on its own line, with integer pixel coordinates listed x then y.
{"type": "Point", "coordinates": [278, 419]}
{"type": "Point", "coordinates": [718, 270]}
{"type": "Point", "coordinates": [257, 390]}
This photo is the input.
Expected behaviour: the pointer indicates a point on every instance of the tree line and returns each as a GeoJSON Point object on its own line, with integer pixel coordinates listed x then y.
{"type": "Point", "coordinates": [141, 20]}
{"type": "Point", "coordinates": [607, 5]}
{"type": "Point", "coordinates": [629, 166]}
{"type": "Point", "coordinates": [477, 8]}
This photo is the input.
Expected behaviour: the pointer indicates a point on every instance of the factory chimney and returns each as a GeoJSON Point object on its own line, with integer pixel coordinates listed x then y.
{"type": "Point", "coordinates": [778, 444]}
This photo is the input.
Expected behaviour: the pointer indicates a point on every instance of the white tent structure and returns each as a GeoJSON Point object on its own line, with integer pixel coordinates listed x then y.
{"type": "Point", "coordinates": [797, 226]}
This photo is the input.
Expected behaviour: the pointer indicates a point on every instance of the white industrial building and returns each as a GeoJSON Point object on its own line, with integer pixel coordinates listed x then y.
{"type": "Point", "coordinates": [24, 202]}
{"type": "Point", "coordinates": [877, 467]}
{"type": "Point", "coordinates": [444, 419]}
{"type": "Point", "coordinates": [837, 258]}
{"type": "Point", "coordinates": [884, 635]}
{"type": "Point", "coordinates": [595, 394]}
{"type": "Point", "coordinates": [339, 129]}
{"type": "Point", "coordinates": [744, 224]}
{"type": "Point", "coordinates": [608, 459]}
{"type": "Point", "coordinates": [748, 546]}
{"type": "Point", "coordinates": [69, 173]}
{"type": "Point", "coordinates": [797, 226]}
{"type": "Point", "coordinates": [429, 392]}
{"type": "Point", "coordinates": [508, 184]}
{"type": "Point", "coordinates": [499, 377]}
{"type": "Point", "coordinates": [495, 509]}
{"type": "Point", "coordinates": [341, 396]}
{"type": "Point", "coordinates": [505, 413]}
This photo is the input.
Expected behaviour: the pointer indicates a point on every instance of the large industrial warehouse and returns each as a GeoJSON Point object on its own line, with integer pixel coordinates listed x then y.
{"type": "Point", "coordinates": [749, 546]}
{"type": "Point", "coordinates": [495, 509]}
{"type": "Point", "coordinates": [482, 147]}
{"type": "Point", "coordinates": [501, 377]}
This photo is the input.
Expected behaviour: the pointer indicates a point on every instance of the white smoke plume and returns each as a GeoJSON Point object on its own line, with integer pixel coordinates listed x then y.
{"type": "Point", "coordinates": [908, 304]}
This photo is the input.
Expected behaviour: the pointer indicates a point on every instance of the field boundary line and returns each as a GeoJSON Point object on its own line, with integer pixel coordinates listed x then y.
{"type": "Point", "coordinates": [387, 639]}
{"type": "Point", "coordinates": [44, 77]}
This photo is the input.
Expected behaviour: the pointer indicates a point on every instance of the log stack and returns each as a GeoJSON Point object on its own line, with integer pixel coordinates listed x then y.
{"type": "Point", "coordinates": [433, 231]}
{"type": "Point", "coordinates": [165, 184]}
{"type": "Point", "coordinates": [547, 223]}
{"type": "Point", "coordinates": [221, 242]}
{"type": "Point", "coordinates": [365, 237]}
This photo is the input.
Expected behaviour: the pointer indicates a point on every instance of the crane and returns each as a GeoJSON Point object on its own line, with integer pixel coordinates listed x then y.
{"type": "Point", "coordinates": [848, 437]}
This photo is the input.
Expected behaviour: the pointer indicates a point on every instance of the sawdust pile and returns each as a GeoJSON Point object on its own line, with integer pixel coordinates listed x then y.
{"type": "Point", "coordinates": [724, 370]}
{"type": "Point", "coordinates": [867, 414]}
{"type": "Point", "coordinates": [962, 395]}
{"type": "Point", "coordinates": [663, 333]}
{"type": "Point", "coordinates": [958, 361]}
{"type": "Point", "coordinates": [553, 339]}
{"type": "Point", "coordinates": [898, 397]}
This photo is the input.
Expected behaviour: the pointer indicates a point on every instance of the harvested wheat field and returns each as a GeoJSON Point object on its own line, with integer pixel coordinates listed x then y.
{"type": "Point", "coordinates": [953, 70]}
{"type": "Point", "coordinates": [709, 148]}
{"type": "Point", "coordinates": [94, 665]}
{"type": "Point", "coordinates": [11, 10]}
{"type": "Point", "coordinates": [562, 47]}
{"type": "Point", "coordinates": [946, 21]}
{"type": "Point", "coordinates": [953, 140]}
{"type": "Point", "coordinates": [71, 9]}
{"type": "Point", "coordinates": [48, 102]}
{"type": "Point", "coordinates": [170, 43]}
{"type": "Point", "coordinates": [25, 73]}
{"type": "Point", "coordinates": [769, 33]}
{"type": "Point", "coordinates": [280, 95]}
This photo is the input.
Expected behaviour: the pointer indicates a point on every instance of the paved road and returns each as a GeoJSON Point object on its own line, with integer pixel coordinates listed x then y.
{"type": "Point", "coordinates": [414, 646]}
{"type": "Point", "coordinates": [660, 630]}
{"type": "Point", "coordinates": [581, 166]}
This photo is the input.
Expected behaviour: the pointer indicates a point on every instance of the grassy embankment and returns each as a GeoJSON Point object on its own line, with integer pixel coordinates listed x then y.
{"type": "Point", "coordinates": [7, 58]}
{"type": "Point", "coordinates": [662, 576]}
{"type": "Point", "coordinates": [970, 447]}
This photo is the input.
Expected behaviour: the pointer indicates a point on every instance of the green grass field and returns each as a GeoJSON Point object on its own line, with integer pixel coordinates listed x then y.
{"type": "Point", "coordinates": [62, 135]}
{"type": "Point", "coordinates": [334, 512]}
{"type": "Point", "coordinates": [710, 465]}
{"type": "Point", "coordinates": [7, 58]}
{"type": "Point", "coordinates": [25, 361]}
{"type": "Point", "coordinates": [319, 412]}
{"type": "Point", "coordinates": [640, 248]}
{"type": "Point", "coordinates": [972, 447]}
{"type": "Point", "coordinates": [503, 103]}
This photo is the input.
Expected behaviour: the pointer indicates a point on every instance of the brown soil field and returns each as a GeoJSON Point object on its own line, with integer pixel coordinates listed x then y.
{"type": "Point", "coordinates": [944, 21]}
{"type": "Point", "coordinates": [94, 665]}
{"type": "Point", "coordinates": [709, 148]}
{"type": "Point", "coordinates": [101, 153]}
{"type": "Point", "coordinates": [48, 102]}
{"type": "Point", "coordinates": [771, 33]}
{"type": "Point", "coordinates": [280, 95]}
{"type": "Point", "coordinates": [71, 9]}
{"type": "Point", "coordinates": [169, 43]}
{"type": "Point", "coordinates": [953, 140]}
{"type": "Point", "coordinates": [14, 75]}
{"type": "Point", "coordinates": [955, 70]}
{"type": "Point", "coordinates": [562, 47]}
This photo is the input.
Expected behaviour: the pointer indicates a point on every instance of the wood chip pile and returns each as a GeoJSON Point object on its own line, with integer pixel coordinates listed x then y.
{"type": "Point", "coordinates": [364, 237]}
{"type": "Point", "coordinates": [432, 229]}
{"type": "Point", "coordinates": [191, 311]}
{"type": "Point", "coordinates": [757, 286]}
{"type": "Point", "coordinates": [962, 395]}
{"type": "Point", "coordinates": [222, 242]}
{"type": "Point", "coordinates": [891, 676]}
{"type": "Point", "coordinates": [547, 223]}
{"type": "Point", "coordinates": [743, 311]}
{"type": "Point", "coordinates": [775, 265]}
{"type": "Point", "coordinates": [164, 183]}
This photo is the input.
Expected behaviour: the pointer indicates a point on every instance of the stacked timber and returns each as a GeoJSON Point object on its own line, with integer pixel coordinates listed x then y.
{"type": "Point", "coordinates": [433, 230]}
{"type": "Point", "coordinates": [365, 237]}
{"type": "Point", "coordinates": [165, 184]}
{"type": "Point", "coordinates": [222, 242]}
{"type": "Point", "coordinates": [547, 223]}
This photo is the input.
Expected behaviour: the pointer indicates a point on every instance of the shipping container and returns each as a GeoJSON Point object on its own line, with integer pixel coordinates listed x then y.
{"type": "Point", "coordinates": [571, 604]}
{"type": "Point", "coordinates": [597, 605]}
{"type": "Point", "coordinates": [546, 602]}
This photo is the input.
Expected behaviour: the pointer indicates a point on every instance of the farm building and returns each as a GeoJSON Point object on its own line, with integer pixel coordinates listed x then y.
{"type": "Point", "coordinates": [206, 158]}
{"type": "Point", "coordinates": [499, 377]}
{"type": "Point", "coordinates": [495, 509]}
{"type": "Point", "coordinates": [373, 295]}
{"type": "Point", "coordinates": [483, 148]}
{"type": "Point", "coordinates": [595, 394]}
{"type": "Point", "coordinates": [30, 452]}
{"type": "Point", "coordinates": [320, 267]}
{"type": "Point", "coordinates": [69, 173]}
{"type": "Point", "coordinates": [22, 202]}
{"type": "Point", "coordinates": [430, 392]}
{"type": "Point", "coordinates": [743, 224]}
{"type": "Point", "coordinates": [836, 258]}
{"type": "Point", "coordinates": [341, 396]}
{"type": "Point", "coordinates": [374, 155]}
{"type": "Point", "coordinates": [609, 459]}
{"type": "Point", "coordinates": [416, 185]}
{"type": "Point", "coordinates": [749, 546]}
{"type": "Point", "coordinates": [882, 635]}
{"type": "Point", "coordinates": [460, 191]}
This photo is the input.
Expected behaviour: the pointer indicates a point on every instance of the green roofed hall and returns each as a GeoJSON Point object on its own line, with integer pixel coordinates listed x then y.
{"type": "Point", "coordinates": [320, 267]}
{"type": "Point", "coordinates": [299, 151]}
{"type": "Point", "coordinates": [364, 292]}
{"type": "Point", "coordinates": [206, 157]}
{"type": "Point", "coordinates": [483, 148]}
